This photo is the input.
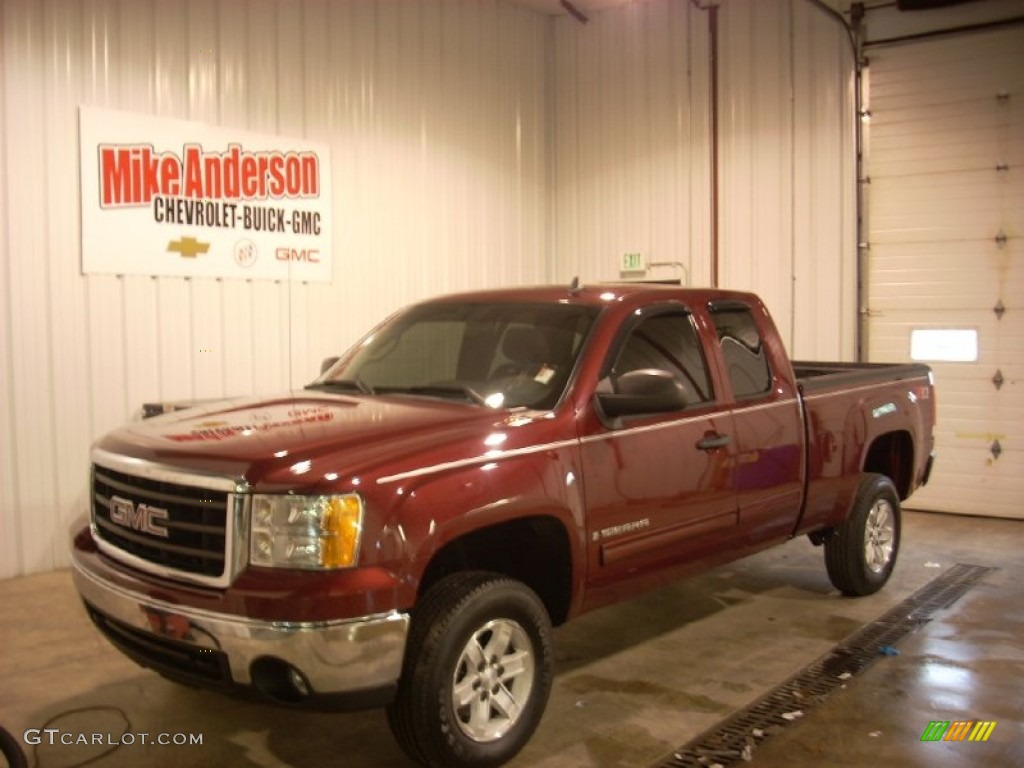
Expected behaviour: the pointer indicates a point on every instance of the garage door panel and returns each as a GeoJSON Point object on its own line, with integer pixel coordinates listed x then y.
{"type": "Point", "coordinates": [949, 124]}
{"type": "Point", "coordinates": [969, 196]}
{"type": "Point", "coordinates": [941, 84]}
{"type": "Point", "coordinates": [982, 153]}
{"type": "Point", "coordinates": [945, 116]}
{"type": "Point", "coordinates": [957, 275]}
{"type": "Point", "coordinates": [962, 68]}
{"type": "Point", "coordinates": [936, 203]}
{"type": "Point", "coordinates": [972, 413]}
{"type": "Point", "coordinates": [946, 113]}
{"type": "Point", "coordinates": [922, 158]}
{"type": "Point", "coordinates": [1000, 342]}
{"type": "Point", "coordinates": [970, 385]}
{"type": "Point", "coordinates": [898, 104]}
{"type": "Point", "coordinates": [968, 480]}
{"type": "Point", "coordinates": [955, 69]}
{"type": "Point", "coordinates": [961, 186]}
{"type": "Point", "coordinates": [918, 230]}
{"type": "Point", "coordinates": [947, 253]}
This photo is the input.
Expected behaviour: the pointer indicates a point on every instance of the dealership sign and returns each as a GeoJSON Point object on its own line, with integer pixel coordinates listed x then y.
{"type": "Point", "coordinates": [170, 197]}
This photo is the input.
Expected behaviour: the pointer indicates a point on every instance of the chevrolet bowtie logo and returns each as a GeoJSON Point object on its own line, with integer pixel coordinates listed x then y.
{"type": "Point", "coordinates": [188, 247]}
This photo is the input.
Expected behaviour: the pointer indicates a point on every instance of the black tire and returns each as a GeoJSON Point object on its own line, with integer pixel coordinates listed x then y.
{"type": "Point", "coordinates": [862, 552]}
{"type": "Point", "coordinates": [458, 619]}
{"type": "Point", "coordinates": [11, 749]}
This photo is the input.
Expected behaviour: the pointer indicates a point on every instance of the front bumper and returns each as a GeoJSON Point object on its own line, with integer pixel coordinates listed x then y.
{"type": "Point", "coordinates": [349, 663]}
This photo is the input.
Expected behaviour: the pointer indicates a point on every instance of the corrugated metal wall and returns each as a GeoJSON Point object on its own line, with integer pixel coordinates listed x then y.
{"type": "Point", "coordinates": [633, 166]}
{"type": "Point", "coordinates": [787, 211]}
{"type": "Point", "coordinates": [436, 117]}
{"type": "Point", "coordinates": [632, 141]}
{"type": "Point", "coordinates": [473, 143]}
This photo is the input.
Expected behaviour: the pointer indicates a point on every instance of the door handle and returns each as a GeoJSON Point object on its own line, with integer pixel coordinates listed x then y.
{"type": "Point", "coordinates": [713, 442]}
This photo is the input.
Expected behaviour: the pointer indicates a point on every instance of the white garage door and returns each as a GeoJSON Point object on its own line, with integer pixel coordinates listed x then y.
{"type": "Point", "coordinates": [945, 158]}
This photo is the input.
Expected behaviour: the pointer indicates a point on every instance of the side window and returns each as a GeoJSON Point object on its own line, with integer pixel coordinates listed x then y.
{"type": "Point", "coordinates": [743, 351]}
{"type": "Point", "coordinates": [668, 342]}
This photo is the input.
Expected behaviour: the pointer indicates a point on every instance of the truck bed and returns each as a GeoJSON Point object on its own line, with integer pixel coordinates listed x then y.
{"type": "Point", "coordinates": [814, 376]}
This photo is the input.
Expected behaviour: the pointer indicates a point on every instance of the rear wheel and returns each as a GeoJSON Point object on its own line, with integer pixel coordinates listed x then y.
{"type": "Point", "coordinates": [477, 673]}
{"type": "Point", "coordinates": [11, 749]}
{"type": "Point", "coordinates": [861, 553]}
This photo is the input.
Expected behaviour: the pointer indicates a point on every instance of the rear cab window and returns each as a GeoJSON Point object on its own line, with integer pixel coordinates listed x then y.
{"type": "Point", "coordinates": [743, 350]}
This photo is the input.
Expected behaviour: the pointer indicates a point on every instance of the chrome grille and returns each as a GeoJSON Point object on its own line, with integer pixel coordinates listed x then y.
{"type": "Point", "coordinates": [196, 522]}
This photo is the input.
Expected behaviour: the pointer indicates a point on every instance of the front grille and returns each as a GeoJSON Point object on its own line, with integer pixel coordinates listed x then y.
{"type": "Point", "coordinates": [194, 519]}
{"type": "Point", "coordinates": [170, 657]}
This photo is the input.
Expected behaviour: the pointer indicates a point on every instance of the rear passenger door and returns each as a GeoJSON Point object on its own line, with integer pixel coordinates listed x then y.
{"type": "Point", "coordinates": [767, 423]}
{"type": "Point", "coordinates": [659, 487]}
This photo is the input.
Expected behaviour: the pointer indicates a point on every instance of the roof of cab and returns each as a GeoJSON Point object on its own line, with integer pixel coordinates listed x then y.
{"type": "Point", "coordinates": [598, 294]}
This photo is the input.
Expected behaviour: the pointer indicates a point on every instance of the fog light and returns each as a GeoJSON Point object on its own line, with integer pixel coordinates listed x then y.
{"type": "Point", "coordinates": [279, 680]}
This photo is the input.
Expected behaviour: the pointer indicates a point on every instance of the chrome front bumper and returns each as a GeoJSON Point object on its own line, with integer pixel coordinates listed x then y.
{"type": "Point", "coordinates": [334, 657]}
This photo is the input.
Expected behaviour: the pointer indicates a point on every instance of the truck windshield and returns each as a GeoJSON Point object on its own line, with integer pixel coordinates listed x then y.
{"type": "Point", "coordinates": [495, 355]}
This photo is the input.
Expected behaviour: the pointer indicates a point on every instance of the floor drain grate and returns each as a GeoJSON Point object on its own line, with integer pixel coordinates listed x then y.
{"type": "Point", "coordinates": [734, 740]}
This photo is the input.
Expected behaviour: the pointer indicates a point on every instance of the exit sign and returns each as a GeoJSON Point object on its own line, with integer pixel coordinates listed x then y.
{"type": "Point", "coordinates": [632, 262]}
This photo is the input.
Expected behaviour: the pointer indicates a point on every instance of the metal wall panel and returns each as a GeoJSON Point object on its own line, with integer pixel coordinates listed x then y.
{"type": "Point", "coordinates": [436, 114]}
{"type": "Point", "coordinates": [633, 164]}
{"type": "Point", "coordinates": [632, 143]}
{"type": "Point", "coordinates": [11, 561]}
{"type": "Point", "coordinates": [30, 263]}
{"type": "Point", "coordinates": [787, 209]}
{"type": "Point", "coordinates": [824, 307]}
{"type": "Point", "coordinates": [473, 142]}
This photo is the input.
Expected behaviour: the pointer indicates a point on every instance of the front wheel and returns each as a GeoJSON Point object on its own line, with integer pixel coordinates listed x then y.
{"type": "Point", "coordinates": [477, 672]}
{"type": "Point", "coordinates": [861, 553]}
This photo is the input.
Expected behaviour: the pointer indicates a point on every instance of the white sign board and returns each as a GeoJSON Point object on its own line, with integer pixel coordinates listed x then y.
{"type": "Point", "coordinates": [171, 197]}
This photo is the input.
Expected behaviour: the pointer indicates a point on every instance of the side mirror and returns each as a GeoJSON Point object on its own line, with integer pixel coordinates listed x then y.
{"type": "Point", "coordinates": [647, 390]}
{"type": "Point", "coordinates": [327, 363]}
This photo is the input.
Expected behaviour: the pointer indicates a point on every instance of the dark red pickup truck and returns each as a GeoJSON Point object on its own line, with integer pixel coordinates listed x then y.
{"type": "Point", "coordinates": [407, 529]}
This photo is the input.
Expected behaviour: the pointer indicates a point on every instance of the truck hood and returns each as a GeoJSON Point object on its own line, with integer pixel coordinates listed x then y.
{"type": "Point", "coordinates": [311, 439]}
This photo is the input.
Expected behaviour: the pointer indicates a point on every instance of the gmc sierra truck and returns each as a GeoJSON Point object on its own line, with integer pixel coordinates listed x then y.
{"type": "Point", "coordinates": [406, 530]}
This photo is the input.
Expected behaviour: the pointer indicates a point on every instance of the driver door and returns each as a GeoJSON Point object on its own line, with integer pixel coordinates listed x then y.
{"type": "Point", "coordinates": [659, 487]}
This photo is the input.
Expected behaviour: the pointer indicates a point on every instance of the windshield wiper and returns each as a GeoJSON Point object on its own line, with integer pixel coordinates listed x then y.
{"type": "Point", "coordinates": [356, 384]}
{"type": "Point", "coordinates": [442, 390]}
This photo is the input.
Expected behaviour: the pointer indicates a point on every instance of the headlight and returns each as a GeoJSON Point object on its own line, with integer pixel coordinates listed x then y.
{"type": "Point", "coordinates": [305, 531]}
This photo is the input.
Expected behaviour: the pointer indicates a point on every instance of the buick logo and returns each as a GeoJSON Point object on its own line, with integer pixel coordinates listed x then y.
{"type": "Point", "coordinates": [245, 253]}
{"type": "Point", "coordinates": [143, 517]}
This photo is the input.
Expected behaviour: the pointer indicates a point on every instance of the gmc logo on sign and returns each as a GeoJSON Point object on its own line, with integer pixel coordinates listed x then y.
{"type": "Point", "coordinates": [142, 518]}
{"type": "Point", "coordinates": [310, 255]}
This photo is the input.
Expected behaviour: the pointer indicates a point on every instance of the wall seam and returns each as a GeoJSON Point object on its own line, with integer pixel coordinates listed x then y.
{"type": "Point", "coordinates": [16, 528]}
{"type": "Point", "coordinates": [51, 361]}
{"type": "Point", "coordinates": [792, 174]}
{"type": "Point", "coordinates": [551, 218]}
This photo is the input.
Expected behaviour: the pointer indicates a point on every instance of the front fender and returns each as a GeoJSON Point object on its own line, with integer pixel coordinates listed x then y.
{"type": "Point", "coordinates": [439, 507]}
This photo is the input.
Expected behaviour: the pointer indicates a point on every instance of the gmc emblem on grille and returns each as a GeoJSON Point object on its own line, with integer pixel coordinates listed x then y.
{"type": "Point", "coordinates": [142, 518]}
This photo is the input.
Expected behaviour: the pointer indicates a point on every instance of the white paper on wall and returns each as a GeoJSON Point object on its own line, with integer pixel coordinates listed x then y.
{"type": "Point", "coordinates": [173, 197]}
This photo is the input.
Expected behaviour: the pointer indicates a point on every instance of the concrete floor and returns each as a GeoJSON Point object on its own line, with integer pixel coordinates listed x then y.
{"type": "Point", "coordinates": [634, 681]}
